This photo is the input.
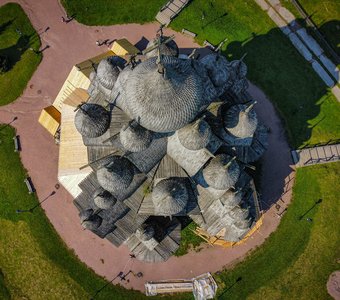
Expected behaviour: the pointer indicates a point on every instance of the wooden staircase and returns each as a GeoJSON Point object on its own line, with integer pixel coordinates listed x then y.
{"type": "Point", "coordinates": [170, 10]}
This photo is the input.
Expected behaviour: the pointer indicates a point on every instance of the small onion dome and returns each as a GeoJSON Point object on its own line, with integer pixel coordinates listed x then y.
{"type": "Point", "coordinates": [169, 196]}
{"type": "Point", "coordinates": [103, 199]}
{"type": "Point", "coordinates": [239, 67]}
{"type": "Point", "coordinates": [109, 69]}
{"type": "Point", "coordinates": [218, 68]}
{"type": "Point", "coordinates": [116, 175]}
{"type": "Point", "coordinates": [164, 96]}
{"type": "Point", "coordinates": [241, 120]}
{"type": "Point", "coordinates": [89, 220]}
{"type": "Point", "coordinates": [92, 120]}
{"type": "Point", "coordinates": [145, 232]}
{"type": "Point", "coordinates": [170, 48]}
{"type": "Point", "coordinates": [221, 172]}
{"type": "Point", "coordinates": [134, 137]}
{"type": "Point", "coordinates": [230, 199]}
{"type": "Point", "coordinates": [195, 136]}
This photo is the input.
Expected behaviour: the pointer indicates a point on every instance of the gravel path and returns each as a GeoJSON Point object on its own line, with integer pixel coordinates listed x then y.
{"type": "Point", "coordinates": [69, 44]}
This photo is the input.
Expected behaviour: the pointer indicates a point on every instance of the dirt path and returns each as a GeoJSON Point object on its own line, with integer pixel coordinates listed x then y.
{"type": "Point", "coordinates": [69, 44]}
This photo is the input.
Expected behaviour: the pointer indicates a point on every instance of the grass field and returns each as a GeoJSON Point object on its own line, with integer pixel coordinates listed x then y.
{"type": "Point", "coordinates": [297, 259]}
{"type": "Point", "coordinates": [34, 261]}
{"type": "Point", "coordinates": [105, 12]}
{"type": "Point", "coordinates": [308, 109]}
{"type": "Point", "coordinates": [16, 37]}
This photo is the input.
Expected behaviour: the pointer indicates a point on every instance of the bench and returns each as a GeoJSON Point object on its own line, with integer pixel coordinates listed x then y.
{"type": "Point", "coordinates": [16, 143]}
{"type": "Point", "coordinates": [29, 185]}
{"type": "Point", "coordinates": [187, 32]}
{"type": "Point", "coordinates": [206, 43]}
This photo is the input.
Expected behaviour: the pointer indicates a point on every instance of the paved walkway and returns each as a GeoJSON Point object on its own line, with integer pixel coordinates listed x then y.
{"type": "Point", "coordinates": [316, 155]}
{"type": "Point", "coordinates": [304, 43]}
{"type": "Point", "coordinates": [69, 44]}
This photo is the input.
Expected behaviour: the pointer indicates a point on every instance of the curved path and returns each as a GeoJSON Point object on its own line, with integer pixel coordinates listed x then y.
{"type": "Point", "coordinates": [69, 44]}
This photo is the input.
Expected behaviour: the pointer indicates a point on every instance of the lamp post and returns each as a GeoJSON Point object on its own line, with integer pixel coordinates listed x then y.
{"type": "Point", "coordinates": [18, 211]}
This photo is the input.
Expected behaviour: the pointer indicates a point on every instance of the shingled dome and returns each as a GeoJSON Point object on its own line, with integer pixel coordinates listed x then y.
{"type": "Point", "coordinates": [241, 120]}
{"type": "Point", "coordinates": [92, 120]}
{"type": "Point", "coordinates": [165, 96]}
{"type": "Point", "coordinates": [195, 136]}
{"type": "Point", "coordinates": [103, 199]}
{"type": "Point", "coordinates": [169, 196]}
{"type": "Point", "coordinates": [134, 137]}
{"type": "Point", "coordinates": [116, 175]}
{"type": "Point", "coordinates": [221, 172]}
{"type": "Point", "coordinates": [239, 67]}
{"type": "Point", "coordinates": [108, 71]}
{"type": "Point", "coordinates": [145, 232]}
{"type": "Point", "coordinates": [230, 199]}
{"type": "Point", "coordinates": [170, 48]}
{"type": "Point", "coordinates": [218, 68]}
{"type": "Point", "coordinates": [89, 220]}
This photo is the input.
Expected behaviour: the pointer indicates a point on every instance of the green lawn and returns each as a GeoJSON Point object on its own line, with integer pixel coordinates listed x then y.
{"type": "Point", "coordinates": [106, 12]}
{"type": "Point", "coordinates": [297, 259]}
{"type": "Point", "coordinates": [34, 261]}
{"type": "Point", "coordinates": [23, 61]}
{"type": "Point", "coordinates": [308, 109]}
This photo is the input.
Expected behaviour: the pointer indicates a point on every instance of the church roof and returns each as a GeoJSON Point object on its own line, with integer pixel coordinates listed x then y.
{"type": "Point", "coordinates": [176, 100]}
{"type": "Point", "coordinates": [92, 120]}
{"type": "Point", "coordinates": [221, 172]}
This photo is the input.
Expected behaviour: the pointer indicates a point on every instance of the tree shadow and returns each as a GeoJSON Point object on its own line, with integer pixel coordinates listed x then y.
{"type": "Point", "coordinates": [14, 53]}
{"type": "Point", "coordinates": [5, 25]}
{"type": "Point", "coordinates": [331, 31]}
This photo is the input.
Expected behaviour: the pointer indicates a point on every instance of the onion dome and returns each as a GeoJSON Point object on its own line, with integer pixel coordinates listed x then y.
{"type": "Point", "coordinates": [165, 95]}
{"type": "Point", "coordinates": [230, 199]}
{"type": "Point", "coordinates": [145, 232]}
{"type": "Point", "coordinates": [92, 120]}
{"type": "Point", "coordinates": [218, 68]}
{"type": "Point", "coordinates": [89, 220]}
{"type": "Point", "coordinates": [134, 137]}
{"type": "Point", "coordinates": [195, 136]}
{"type": "Point", "coordinates": [109, 69]}
{"type": "Point", "coordinates": [239, 67]}
{"type": "Point", "coordinates": [103, 199]}
{"type": "Point", "coordinates": [116, 175]}
{"type": "Point", "coordinates": [241, 120]}
{"type": "Point", "coordinates": [170, 48]}
{"type": "Point", "coordinates": [222, 172]}
{"type": "Point", "coordinates": [169, 196]}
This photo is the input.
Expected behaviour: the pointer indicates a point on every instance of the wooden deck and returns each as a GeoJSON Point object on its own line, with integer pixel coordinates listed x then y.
{"type": "Point", "coordinates": [170, 11]}
{"type": "Point", "coordinates": [316, 155]}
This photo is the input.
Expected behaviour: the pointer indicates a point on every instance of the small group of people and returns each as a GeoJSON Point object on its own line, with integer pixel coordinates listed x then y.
{"type": "Point", "coordinates": [106, 42]}
{"type": "Point", "coordinates": [67, 19]}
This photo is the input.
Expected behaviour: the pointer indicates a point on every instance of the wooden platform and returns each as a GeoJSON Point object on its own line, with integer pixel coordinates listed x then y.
{"type": "Point", "coordinates": [170, 10]}
{"type": "Point", "coordinates": [316, 155]}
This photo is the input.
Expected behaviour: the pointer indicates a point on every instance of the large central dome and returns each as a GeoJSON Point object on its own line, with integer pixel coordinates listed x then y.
{"type": "Point", "coordinates": [164, 96]}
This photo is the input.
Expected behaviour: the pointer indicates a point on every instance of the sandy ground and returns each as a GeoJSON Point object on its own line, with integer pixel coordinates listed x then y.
{"type": "Point", "coordinates": [69, 44]}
